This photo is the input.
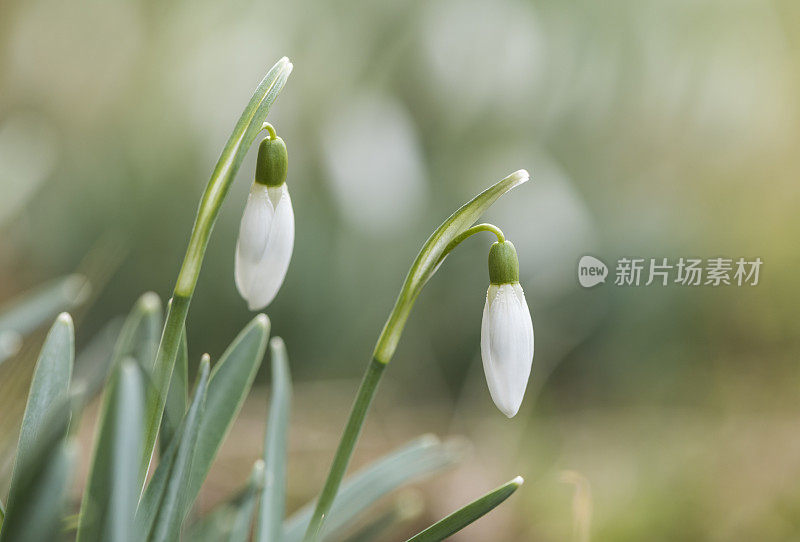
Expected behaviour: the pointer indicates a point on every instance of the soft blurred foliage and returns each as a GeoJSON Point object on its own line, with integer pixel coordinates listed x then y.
{"type": "Point", "coordinates": [651, 129]}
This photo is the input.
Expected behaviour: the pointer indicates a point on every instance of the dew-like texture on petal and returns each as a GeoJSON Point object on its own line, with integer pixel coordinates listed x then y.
{"type": "Point", "coordinates": [507, 345]}
{"type": "Point", "coordinates": [267, 274]}
{"type": "Point", "coordinates": [253, 231]}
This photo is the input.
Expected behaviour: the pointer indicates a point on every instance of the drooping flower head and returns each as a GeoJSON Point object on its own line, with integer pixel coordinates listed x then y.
{"type": "Point", "coordinates": [506, 331]}
{"type": "Point", "coordinates": [266, 233]}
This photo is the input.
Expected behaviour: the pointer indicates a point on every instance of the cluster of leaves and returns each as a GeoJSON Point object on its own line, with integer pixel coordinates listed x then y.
{"type": "Point", "coordinates": [121, 503]}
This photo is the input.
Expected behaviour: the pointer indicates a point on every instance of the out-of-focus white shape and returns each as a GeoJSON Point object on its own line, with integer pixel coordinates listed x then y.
{"type": "Point", "coordinates": [507, 345]}
{"type": "Point", "coordinates": [10, 344]}
{"type": "Point", "coordinates": [264, 249]}
{"type": "Point", "coordinates": [375, 164]}
{"type": "Point", "coordinates": [27, 157]}
{"type": "Point", "coordinates": [483, 53]}
{"type": "Point", "coordinates": [77, 60]}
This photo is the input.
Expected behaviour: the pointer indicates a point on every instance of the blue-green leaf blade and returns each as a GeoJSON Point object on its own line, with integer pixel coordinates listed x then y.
{"type": "Point", "coordinates": [140, 333]}
{"type": "Point", "coordinates": [468, 514]}
{"type": "Point", "coordinates": [112, 489]}
{"type": "Point", "coordinates": [273, 496]}
{"type": "Point", "coordinates": [37, 495]}
{"type": "Point", "coordinates": [228, 386]}
{"type": "Point", "coordinates": [162, 510]}
{"type": "Point", "coordinates": [38, 518]}
{"type": "Point", "coordinates": [49, 386]}
{"type": "Point", "coordinates": [419, 458]}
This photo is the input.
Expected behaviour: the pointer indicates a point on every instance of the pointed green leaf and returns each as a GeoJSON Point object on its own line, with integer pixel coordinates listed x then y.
{"type": "Point", "coordinates": [112, 489]}
{"type": "Point", "coordinates": [40, 519]}
{"type": "Point", "coordinates": [228, 387]}
{"type": "Point", "coordinates": [418, 458]}
{"type": "Point", "coordinates": [468, 514]}
{"type": "Point", "coordinates": [177, 397]}
{"type": "Point", "coordinates": [162, 508]}
{"type": "Point", "coordinates": [140, 333]}
{"type": "Point", "coordinates": [432, 255]}
{"type": "Point", "coordinates": [41, 478]}
{"type": "Point", "coordinates": [273, 496]}
{"type": "Point", "coordinates": [49, 387]}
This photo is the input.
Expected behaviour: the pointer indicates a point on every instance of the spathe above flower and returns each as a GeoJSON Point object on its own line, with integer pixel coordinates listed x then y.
{"type": "Point", "coordinates": [506, 331]}
{"type": "Point", "coordinates": [266, 233]}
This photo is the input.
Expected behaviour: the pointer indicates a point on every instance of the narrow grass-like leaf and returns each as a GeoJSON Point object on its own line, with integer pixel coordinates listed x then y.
{"type": "Point", "coordinates": [30, 310]}
{"type": "Point", "coordinates": [468, 514]}
{"type": "Point", "coordinates": [228, 386]}
{"type": "Point", "coordinates": [161, 510]}
{"type": "Point", "coordinates": [416, 459]}
{"type": "Point", "coordinates": [140, 333]}
{"type": "Point", "coordinates": [243, 517]}
{"type": "Point", "coordinates": [177, 397]}
{"type": "Point", "coordinates": [49, 387]}
{"type": "Point", "coordinates": [38, 518]}
{"type": "Point", "coordinates": [127, 450]}
{"type": "Point", "coordinates": [273, 496]}
{"type": "Point", "coordinates": [405, 508]}
{"type": "Point", "coordinates": [40, 481]}
{"type": "Point", "coordinates": [112, 489]}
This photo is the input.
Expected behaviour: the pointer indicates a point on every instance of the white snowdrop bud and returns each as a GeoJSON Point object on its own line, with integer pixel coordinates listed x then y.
{"type": "Point", "coordinates": [266, 233]}
{"type": "Point", "coordinates": [506, 331]}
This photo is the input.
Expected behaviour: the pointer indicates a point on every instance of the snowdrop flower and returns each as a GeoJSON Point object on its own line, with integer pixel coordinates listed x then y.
{"type": "Point", "coordinates": [506, 331]}
{"type": "Point", "coordinates": [266, 233]}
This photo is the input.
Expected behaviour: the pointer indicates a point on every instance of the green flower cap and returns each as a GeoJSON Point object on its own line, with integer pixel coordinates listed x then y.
{"type": "Point", "coordinates": [272, 162]}
{"type": "Point", "coordinates": [503, 263]}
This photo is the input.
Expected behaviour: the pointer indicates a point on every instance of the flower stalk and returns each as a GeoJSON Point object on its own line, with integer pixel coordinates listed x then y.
{"type": "Point", "coordinates": [450, 234]}
{"type": "Point", "coordinates": [244, 134]}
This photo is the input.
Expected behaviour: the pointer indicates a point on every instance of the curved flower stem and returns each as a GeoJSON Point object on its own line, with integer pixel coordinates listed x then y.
{"type": "Point", "coordinates": [452, 232]}
{"type": "Point", "coordinates": [244, 133]}
{"type": "Point", "coordinates": [472, 231]}
{"type": "Point", "coordinates": [270, 130]}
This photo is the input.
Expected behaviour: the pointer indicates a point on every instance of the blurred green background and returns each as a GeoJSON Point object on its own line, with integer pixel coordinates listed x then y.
{"type": "Point", "coordinates": [651, 129]}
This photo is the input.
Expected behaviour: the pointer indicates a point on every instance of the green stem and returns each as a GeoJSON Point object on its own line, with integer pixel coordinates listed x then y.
{"type": "Point", "coordinates": [472, 231]}
{"type": "Point", "coordinates": [391, 333]}
{"type": "Point", "coordinates": [270, 130]}
{"type": "Point", "coordinates": [359, 411]}
{"type": "Point", "coordinates": [453, 231]}
{"type": "Point", "coordinates": [244, 133]}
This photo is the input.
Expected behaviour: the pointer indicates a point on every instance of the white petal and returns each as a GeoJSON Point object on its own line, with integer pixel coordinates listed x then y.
{"type": "Point", "coordinates": [269, 272]}
{"type": "Point", "coordinates": [507, 345]}
{"type": "Point", "coordinates": [253, 232]}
